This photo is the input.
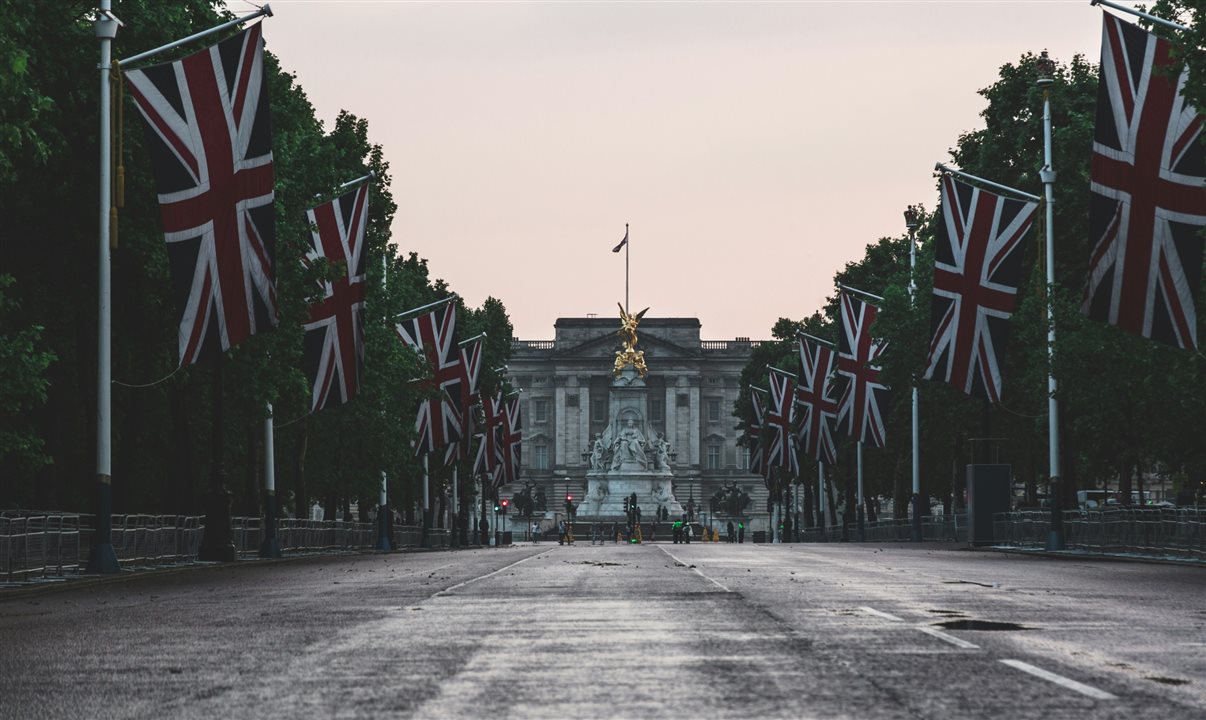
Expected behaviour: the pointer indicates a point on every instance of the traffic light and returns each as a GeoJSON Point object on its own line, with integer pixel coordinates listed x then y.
{"type": "Point", "coordinates": [626, 508]}
{"type": "Point", "coordinates": [497, 506]}
{"type": "Point", "coordinates": [504, 503]}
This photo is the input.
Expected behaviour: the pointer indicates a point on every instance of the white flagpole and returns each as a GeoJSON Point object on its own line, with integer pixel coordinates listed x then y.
{"type": "Point", "coordinates": [264, 11]}
{"type": "Point", "coordinates": [823, 513]}
{"type": "Point", "coordinates": [426, 538]}
{"type": "Point", "coordinates": [269, 546]}
{"type": "Point", "coordinates": [627, 244]}
{"type": "Point", "coordinates": [456, 505]}
{"type": "Point", "coordinates": [1055, 539]}
{"type": "Point", "coordinates": [102, 558]}
{"type": "Point", "coordinates": [858, 506]}
{"type": "Point", "coordinates": [1140, 13]}
{"type": "Point", "coordinates": [912, 217]}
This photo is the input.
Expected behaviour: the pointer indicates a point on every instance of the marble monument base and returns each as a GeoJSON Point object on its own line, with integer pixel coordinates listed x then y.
{"type": "Point", "coordinates": [605, 495]}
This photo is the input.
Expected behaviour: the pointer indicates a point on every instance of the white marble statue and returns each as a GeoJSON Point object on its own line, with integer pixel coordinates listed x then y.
{"type": "Point", "coordinates": [629, 447]}
{"type": "Point", "coordinates": [598, 452]}
{"type": "Point", "coordinates": [663, 452]}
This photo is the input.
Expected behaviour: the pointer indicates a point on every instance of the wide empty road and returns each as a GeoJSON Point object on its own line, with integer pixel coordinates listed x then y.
{"type": "Point", "coordinates": [650, 631]}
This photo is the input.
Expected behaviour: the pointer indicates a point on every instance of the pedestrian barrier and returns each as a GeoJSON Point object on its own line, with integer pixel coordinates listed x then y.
{"type": "Point", "coordinates": [934, 528]}
{"type": "Point", "coordinates": [1177, 532]}
{"type": "Point", "coordinates": [43, 545]}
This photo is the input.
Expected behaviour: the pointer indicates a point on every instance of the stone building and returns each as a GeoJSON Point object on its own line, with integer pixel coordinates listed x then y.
{"type": "Point", "coordinates": [692, 387]}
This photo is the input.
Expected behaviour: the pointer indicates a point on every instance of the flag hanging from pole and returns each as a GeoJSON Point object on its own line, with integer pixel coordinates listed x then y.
{"type": "Point", "coordinates": [511, 437]}
{"type": "Point", "coordinates": [753, 433]}
{"type": "Point", "coordinates": [1148, 201]}
{"type": "Point", "coordinates": [859, 410]}
{"type": "Point", "coordinates": [333, 345]}
{"type": "Point", "coordinates": [782, 415]}
{"type": "Point", "coordinates": [488, 460]}
{"type": "Point", "coordinates": [470, 369]}
{"type": "Point", "coordinates": [623, 242]}
{"type": "Point", "coordinates": [210, 139]}
{"type": "Point", "coordinates": [433, 334]}
{"type": "Point", "coordinates": [977, 268]}
{"type": "Point", "coordinates": [814, 393]}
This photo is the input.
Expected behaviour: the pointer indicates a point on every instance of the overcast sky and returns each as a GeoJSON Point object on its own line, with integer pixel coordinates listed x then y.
{"type": "Point", "coordinates": [755, 148]}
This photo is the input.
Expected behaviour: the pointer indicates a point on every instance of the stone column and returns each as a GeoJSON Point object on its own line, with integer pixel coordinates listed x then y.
{"type": "Point", "coordinates": [584, 437]}
{"type": "Point", "coordinates": [560, 459]}
{"type": "Point", "coordinates": [670, 413]}
{"type": "Point", "coordinates": [696, 425]}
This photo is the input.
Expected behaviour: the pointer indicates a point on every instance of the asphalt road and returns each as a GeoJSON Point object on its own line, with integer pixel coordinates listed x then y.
{"type": "Point", "coordinates": [651, 631]}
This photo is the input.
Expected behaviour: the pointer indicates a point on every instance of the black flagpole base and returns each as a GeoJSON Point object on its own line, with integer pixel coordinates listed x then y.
{"type": "Point", "coordinates": [916, 532]}
{"type": "Point", "coordinates": [383, 543]}
{"type": "Point", "coordinates": [862, 530]}
{"type": "Point", "coordinates": [102, 560]}
{"type": "Point", "coordinates": [425, 534]}
{"type": "Point", "coordinates": [270, 547]}
{"type": "Point", "coordinates": [217, 544]}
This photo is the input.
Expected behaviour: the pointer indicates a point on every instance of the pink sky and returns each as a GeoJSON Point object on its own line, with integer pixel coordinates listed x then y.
{"type": "Point", "coordinates": [755, 148]}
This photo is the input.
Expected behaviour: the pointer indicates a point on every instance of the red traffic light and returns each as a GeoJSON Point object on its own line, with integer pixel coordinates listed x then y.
{"type": "Point", "coordinates": [569, 498]}
{"type": "Point", "coordinates": [505, 502]}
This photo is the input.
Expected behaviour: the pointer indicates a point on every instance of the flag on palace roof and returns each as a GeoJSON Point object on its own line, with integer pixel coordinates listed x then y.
{"type": "Point", "coordinates": [209, 136]}
{"type": "Point", "coordinates": [860, 408]}
{"type": "Point", "coordinates": [433, 333]}
{"type": "Point", "coordinates": [333, 346]}
{"type": "Point", "coordinates": [1148, 199]}
{"type": "Point", "coordinates": [623, 242]}
{"type": "Point", "coordinates": [977, 267]}
{"type": "Point", "coordinates": [815, 396]}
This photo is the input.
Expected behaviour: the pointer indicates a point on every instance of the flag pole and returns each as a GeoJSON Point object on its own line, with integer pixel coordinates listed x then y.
{"type": "Point", "coordinates": [939, 167]}
{"type": "Point", "coordinates": [1139, 13]}
{"type": "Point", "coordinates": [822, 511]}
{"type": "Point", "coordinates": [101, 557]}
{"type": "Point", "coordinates": [626, 246]}
{"type": "Point", "coordinates": [912, 218]}
{"type": "Point", "coordinates": [858, 506]}
{"type": "Point", "coordinates": [1055, 538]}
{"type": "Point", "coordinates": [264, 11]}
{"type": "Point", "coordinates": [269, 546]}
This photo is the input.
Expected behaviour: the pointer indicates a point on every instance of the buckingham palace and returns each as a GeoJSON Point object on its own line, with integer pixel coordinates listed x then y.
{"type": "Point", "coordinates": [692, 385]}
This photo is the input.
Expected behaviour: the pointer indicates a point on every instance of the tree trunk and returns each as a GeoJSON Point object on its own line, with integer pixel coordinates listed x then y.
{"type": "Point", "coordinates": [1124, 482]}
{"type": "Point", "coordinates": [178, 488]}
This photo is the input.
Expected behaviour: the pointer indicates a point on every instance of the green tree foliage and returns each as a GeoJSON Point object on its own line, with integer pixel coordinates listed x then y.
{"type": "Point", "coordinates": [161, 432]}
{"type": "Point", "coordinates": [1126, 403]}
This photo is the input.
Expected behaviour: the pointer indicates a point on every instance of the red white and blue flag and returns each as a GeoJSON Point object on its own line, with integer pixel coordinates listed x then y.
{"type": "Point", "coordinates": [753, 434]}
{"type": "Point", "coordinates": [977, 268]}
{"type": "Point", "coordinates": [489, 458]}
{"type": "Point", "coordinates": [815, 396]}
{"type": "Point", "coordinates": [209, 134]}
{"type": "Point", "coordinates": [511, 441]}
{"type": "Point", "coordinates": [333, 345]}
{"type": "Point", "coordinates": [781, 452]}
{"type": "Point", "coordinates": [1148, 182]}
{"type": "Point", "coordinates": [471, 370]}
{"type": "Point", "coordinates": [860, 413]}
{"type": "Point", "coordinates": [433, 333]}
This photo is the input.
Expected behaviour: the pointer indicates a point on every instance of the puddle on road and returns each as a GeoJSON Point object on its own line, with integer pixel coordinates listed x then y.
{"type": "Point", "coordinates": [596, 563]}
{"type": "Point", "coordinates": [970, 582]}
{"type": "Point", "coordinates": [980, 625]}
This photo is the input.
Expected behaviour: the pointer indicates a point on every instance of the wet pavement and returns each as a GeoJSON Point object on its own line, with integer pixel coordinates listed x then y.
{"type": "Point", "coordinates": [651, 631]}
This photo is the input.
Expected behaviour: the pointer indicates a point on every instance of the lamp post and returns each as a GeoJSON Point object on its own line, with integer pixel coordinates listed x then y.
{"type": "Point", "coordinates": [1046, 78]}
{"type": "Point", "coordinates": [912, 217]}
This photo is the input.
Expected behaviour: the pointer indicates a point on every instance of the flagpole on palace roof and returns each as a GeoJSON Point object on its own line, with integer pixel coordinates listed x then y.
{"type": "Point", "coordinates": [627, 245]}
{"type": "Point", "coordinates": [102, 558]}
{"type": "Point", "coordinates": [1055, 538]}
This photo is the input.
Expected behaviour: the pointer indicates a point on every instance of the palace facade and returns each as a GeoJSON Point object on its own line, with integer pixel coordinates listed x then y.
{"type": "Point", "coordinates": [692, 387]}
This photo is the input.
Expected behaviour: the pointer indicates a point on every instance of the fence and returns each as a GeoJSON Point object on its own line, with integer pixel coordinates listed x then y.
{"type": "Point", "coordinates": [1179, 532]}
{"type": "Point", "coordinates": [47, 545]}
{"type": "Point", "coordinates": [933, 528]}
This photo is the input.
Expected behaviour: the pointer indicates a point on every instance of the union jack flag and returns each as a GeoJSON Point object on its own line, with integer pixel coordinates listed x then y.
{"type": "Point", "coordinates": [210, 139]}
{"type": "Point", "coordinates": [753, 433]}
{"type": "Point", "coordinates": [859, 412]}
{"type": "Point", "coordinates": [488, 461]}
{"type": "Point", "coordinates": [333, 348]}
{"type": "Point", "coordinates": [977, 268]}
{"type": "Point", "coordinates": [511, 439]}
{"type": "Point", "coordinates": [782, 415]}
{"type": "Point", "coordinates": [434, 334]}
{"type": "Point", "coordinates": [471, 370]}
{"type": "Point", "coordinates": [814, 393]}
{"type": "Point", "coordinates": [1148, 195]}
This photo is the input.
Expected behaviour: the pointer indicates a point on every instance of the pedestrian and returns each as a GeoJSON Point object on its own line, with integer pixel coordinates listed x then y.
{"type": "Point", "coordinates": [561, 532]}
{"type": "Point", "coordinates": [653, 531]}
{"type": "Point", "coordinates": [730, 533]}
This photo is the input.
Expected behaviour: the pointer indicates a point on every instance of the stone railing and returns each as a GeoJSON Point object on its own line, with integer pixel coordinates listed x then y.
{"type": "Point", "coordinates": [728, 344]}
{"type": "Point", "coordinates": [533, 344]}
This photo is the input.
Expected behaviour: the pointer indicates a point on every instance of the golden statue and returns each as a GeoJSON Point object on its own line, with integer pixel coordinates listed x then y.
{"type": "Point", "coordinates": [630, 355]}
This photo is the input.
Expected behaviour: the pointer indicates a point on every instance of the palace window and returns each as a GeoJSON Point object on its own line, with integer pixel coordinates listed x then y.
{"type": "Point", "coordinates": [743, 458]}
{"type": "Point", "coordinates": [713, 410]}
{"type": "Point", "coordinates": [598, 410]}
{"type": "Point", "coordinates": [713, 456]}
{"type": "Point", "coordinates": [655, 410]}
{"type": "Point", "coordinates": [540, 457]}
{"type": "Point", "coordinates": [540, 411]}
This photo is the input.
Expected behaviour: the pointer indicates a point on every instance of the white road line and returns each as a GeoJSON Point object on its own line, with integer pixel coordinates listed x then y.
{"type": "Point", "coordinates": [877, 613]}
{"type": "Point", "coordinates": [697, 570]}
{"type": "Point", "coordinates": [1060, 680]}
{"type": "Point", "coordinates": [470, 581]}
{"type": "Point", "coordinates": [957, 642]}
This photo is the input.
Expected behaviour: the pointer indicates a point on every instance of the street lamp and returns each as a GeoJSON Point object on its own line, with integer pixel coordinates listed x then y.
{"type": "Point", "coordinates": [912, 217]}
{"type": "Point", "coordinates": [1046, 78]}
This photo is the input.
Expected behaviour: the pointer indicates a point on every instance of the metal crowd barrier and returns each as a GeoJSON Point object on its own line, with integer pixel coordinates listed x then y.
{"type": "Point", "coordinates": [49, 545]}
{"type": "Point", "coordinates": [1178, 532]}
{"type": "Point", "coordinates": [952, 528]}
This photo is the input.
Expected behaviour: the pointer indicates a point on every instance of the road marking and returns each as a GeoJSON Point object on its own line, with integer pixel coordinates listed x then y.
{"type": "Point", "coordinates": [957, 642]}
{"type": "Point", "coordinates": [460, 585]}
{"type": "Point", "coordinates": [697, 570]}
{"type": "Point", "coordinates": [877, 613]}
{"type": "Point", "coordinates": [1060, 680]}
